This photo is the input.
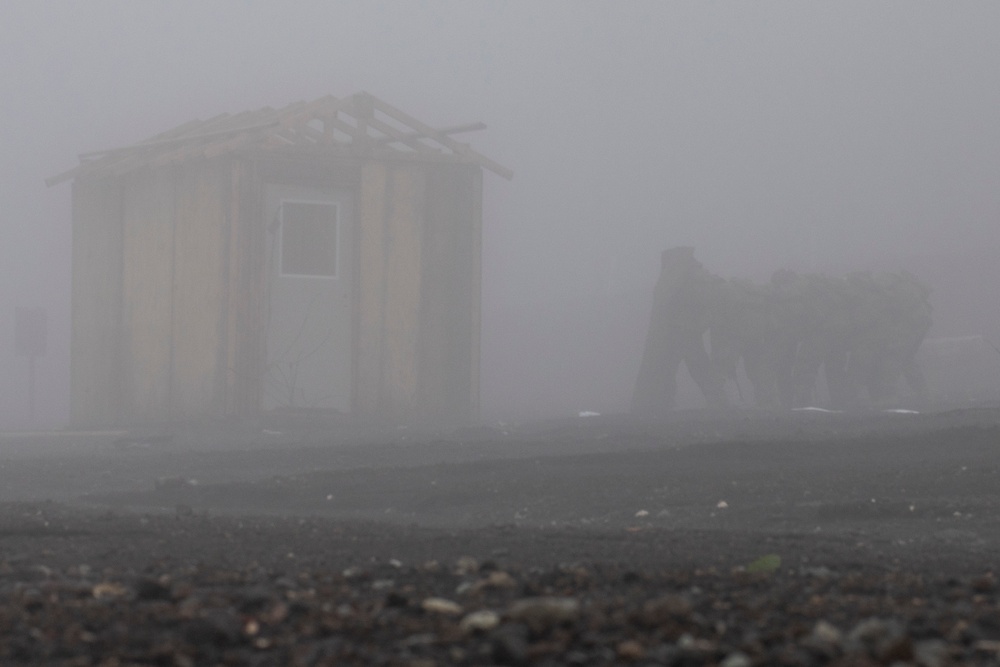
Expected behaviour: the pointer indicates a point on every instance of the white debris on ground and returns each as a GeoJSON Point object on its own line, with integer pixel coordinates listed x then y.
{"type": "Point", "coordinates": [901, 411]}
{"type": "Point", "coordinates": [588, 413]}
{"type": "Point", "coordinates": [814, 409]}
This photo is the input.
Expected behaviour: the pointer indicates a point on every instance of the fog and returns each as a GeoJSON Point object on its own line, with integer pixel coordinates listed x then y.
{"type": "Point", "coordinates": [823, 137]}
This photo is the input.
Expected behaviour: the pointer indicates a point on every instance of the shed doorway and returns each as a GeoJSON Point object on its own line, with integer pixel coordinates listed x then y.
{"type": "Point", "coordinates": [309, 306]}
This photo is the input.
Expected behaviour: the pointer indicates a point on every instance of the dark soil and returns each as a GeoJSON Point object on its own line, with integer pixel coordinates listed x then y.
{"type": "Point", "coordinates": [745, 539]}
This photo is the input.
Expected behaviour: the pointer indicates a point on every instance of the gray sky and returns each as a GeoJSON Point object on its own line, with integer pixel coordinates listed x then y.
{"type": "Point", "coordinates": [766, 134]}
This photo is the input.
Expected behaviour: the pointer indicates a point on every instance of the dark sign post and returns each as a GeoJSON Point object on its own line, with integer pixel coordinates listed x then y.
{"type": "Point", "coordinates": [31, 329]}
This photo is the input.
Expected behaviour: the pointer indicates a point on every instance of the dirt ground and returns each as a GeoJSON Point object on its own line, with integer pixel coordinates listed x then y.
{"type": "Point", "coordinates": [738, 539]}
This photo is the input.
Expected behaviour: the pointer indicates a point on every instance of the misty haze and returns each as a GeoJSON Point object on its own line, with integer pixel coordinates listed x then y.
{"type": "Point", "coordinates": [473, 333]}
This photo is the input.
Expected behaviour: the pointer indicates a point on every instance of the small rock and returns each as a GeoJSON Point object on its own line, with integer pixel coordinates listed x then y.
{"type": "Point", "coordinates": [894, 650]}
{"type": "Point", "coordinates": [689, 644]}
{"type": "Point", "coordinates": [151, 589]}
{"type": "Point", "coordinates": [987, 646]}
{"type": "Point", "coordinates": [826, 633]}
{"type": "Point", "coordinates": [395, 599]}
{"type": "Point", "coordinates": [930, 653]}
{"type": "Point", "coordinates": [869, 632]}
{"type": "Point", "coordinates": [466, 565]}
{"type": "Point", "coordinates": [510, 644]}
{"type": "Point", "coordinates": [544, 612]}
{"type": "Point", "coordinates": [214, 628]}
{"type": "Point", "coordinates": [984, 584]}
{"type": "Point", "coordinates": [483, 620]}
{"type": "Point", "coordinates": [664, 654]}
{"type": "Point", "coordinates": [631, 651]}
{"type": "Point", "coordinates": [498, 579]}
{"type": "Point", "coordinates": [441, 606]}
{"type": "Point", "coordinates": [109, 589]}
{"type": "Point", "coordinates": [959, 632]}
{"type": "Point", "coordinates": [664, 609]}
{"type": "Point", "coordinates": [820, 572]}
{"type": "Point", "coordinates": [420, 639]}
{"type": "Point", "coordinates": [383, 584]}
{"type": "Point", "coordinates": [736, 659]}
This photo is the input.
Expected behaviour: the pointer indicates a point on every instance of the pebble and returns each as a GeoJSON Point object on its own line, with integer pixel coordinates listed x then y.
{"type": "Point", "coordinates": [931, 653]}
{"type": "Point", "coordinates": [498, 579]}
{"type": "Point", "coordinates": [109, 589]}
{"type": "Point", "coordinates": [868, 632]}
{"type": "Point", "coordinates": [510, 644]}
{"type": "Point", "coordinates": [441, 606]}
{"type": "Point", "coordinates": [987, 583]}
{"type": "Point", "coordinates": [483, 620]}
{"type": "Point", "coordinates": [736, 659]}
{"type": "Point", "coordinates": [466, 565]}
{"type": "Point", "coordinates": [665, 608]}
{"type": "Point", "coordinates": [631, 651]}
{"type": "Point", "coordinates": [826, 633]}
{"type": "Point", "coordinates": [544, 612]}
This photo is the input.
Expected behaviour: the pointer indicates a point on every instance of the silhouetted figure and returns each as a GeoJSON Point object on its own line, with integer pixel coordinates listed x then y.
{"type": "Point", "coordinates": [683, 302]}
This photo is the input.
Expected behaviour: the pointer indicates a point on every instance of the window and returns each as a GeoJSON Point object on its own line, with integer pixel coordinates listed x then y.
{"type": "Point", "coordinates": [309, 239]}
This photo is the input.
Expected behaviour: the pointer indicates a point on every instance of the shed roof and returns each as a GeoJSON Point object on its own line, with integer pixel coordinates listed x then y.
{"type": "Point", "coordinates": [360, 124]}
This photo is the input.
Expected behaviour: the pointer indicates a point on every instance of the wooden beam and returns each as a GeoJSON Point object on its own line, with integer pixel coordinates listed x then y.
{"type": "Point", "coordinates": [177, 140]}
{"type": "Point", "coordinates": [448, 142]}
{"type": "Point", "coordinates": [122, 159]}
{"type": "Point", "coordinates": [336, 123]}
{"type": "Point", "coordinates": [454, 129]}
{"type": "Point", "coordinates": [270, 119]}
{"type": "Point", "coordinates": [392, 135]}
{"type": "Point", "coordinates": [321, 107]}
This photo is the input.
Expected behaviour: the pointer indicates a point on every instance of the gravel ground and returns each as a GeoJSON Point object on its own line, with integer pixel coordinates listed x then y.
{"type": "Point", "coordinates": [748, 539]}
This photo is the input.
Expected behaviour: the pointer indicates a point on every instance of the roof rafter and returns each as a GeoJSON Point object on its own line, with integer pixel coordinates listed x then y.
{"type": "Point", "coordinates": [361, 124]}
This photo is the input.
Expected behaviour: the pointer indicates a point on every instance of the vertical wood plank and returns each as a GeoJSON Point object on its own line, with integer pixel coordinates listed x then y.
{"type": "Point", "coordinates": [449, 318]}
{"type": "Point", "coordinates": [475, 203]}
{"type": "Point", "coordinates": [403, 290]}
{"type": "Point", "coordinates": [234, 293]}
{"type": "Point", "coordinates": [248, 290]}
{"type": "Point", "coordinates": [148, 217]}
{"type": "Point", "coordinates": [371, 214]}
{"type": "Point", "coordinates": [95, 354]}
{"type": "Point", "coordinates": [199, 257]}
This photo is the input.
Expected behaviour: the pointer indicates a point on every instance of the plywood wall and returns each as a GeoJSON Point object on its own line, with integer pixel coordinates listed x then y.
{"type": "Point", "coordinates": [391, 221]}
{"type": "Point", "coordinates": [419, 286]}
{"type": "Point", "coordinates": [169, 290]}
{"type": "Point", "coordinates": [150, 281]}
{"type": "Point", "coordinates": [450, 310]}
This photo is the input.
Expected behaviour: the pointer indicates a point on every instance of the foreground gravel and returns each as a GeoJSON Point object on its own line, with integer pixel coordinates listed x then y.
{"type": "Point", "coordinates": [741, 540]}
{"type": "Point", "coordinates": [92, 588]}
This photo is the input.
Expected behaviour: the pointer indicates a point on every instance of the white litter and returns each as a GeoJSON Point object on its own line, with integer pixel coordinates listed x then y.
{"type": "Point", "coordinates": [642, 513]}
{"type": "Point", "coordinates": [722, 504]}
{"type": "Point", "coordinates": [901, 411]}
{"type": "Point", "coordinates": [588, 413]}
{"type": "Point", "coordinates": [814, 409]}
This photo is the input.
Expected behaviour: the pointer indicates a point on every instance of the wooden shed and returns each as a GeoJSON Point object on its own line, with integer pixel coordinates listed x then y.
{"type": "Point", "coordinates": [324, 255]}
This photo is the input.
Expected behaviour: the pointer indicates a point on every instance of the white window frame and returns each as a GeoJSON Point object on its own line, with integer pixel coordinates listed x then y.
{"type": "Point", "coordinates": [336, 238]}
